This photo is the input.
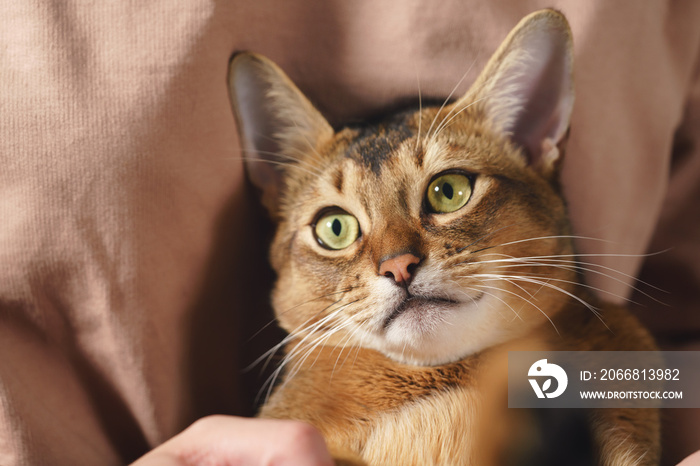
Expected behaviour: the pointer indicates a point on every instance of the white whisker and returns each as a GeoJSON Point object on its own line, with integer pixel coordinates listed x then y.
{"type": "Point", "coordinates": [588, 238]}
{"type": "Point", "coordinates": [297, 306]}
{"type": "Point", "coordinates": [454, 89]}
{"type": "Point", "coordinates": [444, 125]}
{"type": "Point", "coordinates": [524, 299]}
{"type": "Point", "coordinates": [420, 115]}
{"type": "Point", "coordinates": [548, 285]}
{"type": "Point", "coordinates": [480, 289]}
{"type": "Point", "coordinates": [293, 334]}
{"type": "Point", "coordinates": [303, 328]}
{"type": "Point", "coordinates": [349, 337]}
{"type": "Point", "coordinates": [310, 340]}
{"type": "Point", "coordinates": [556, 261]}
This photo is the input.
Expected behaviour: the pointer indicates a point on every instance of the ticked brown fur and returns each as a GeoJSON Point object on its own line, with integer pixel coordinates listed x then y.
{"type": "Point", "coordinates": [408, 372]}
{"type": "Point", "coordinates": [372, 410]}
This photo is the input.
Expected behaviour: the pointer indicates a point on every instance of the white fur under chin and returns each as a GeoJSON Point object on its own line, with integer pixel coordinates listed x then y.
{"type": "Point", "coordinates": [441, 333]}
{"type": "Point", "coordinates": [433, 333]}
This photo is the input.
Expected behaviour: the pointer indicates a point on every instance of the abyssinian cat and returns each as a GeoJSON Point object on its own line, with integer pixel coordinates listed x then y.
{"type": "Point", "coordinates": [413, 252]}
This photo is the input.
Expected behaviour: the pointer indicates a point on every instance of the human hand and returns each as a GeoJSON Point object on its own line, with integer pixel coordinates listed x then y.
{"type": "Point", "coordinates": [692, 460]}
{"type": "Point", "coordinates": [229, 440]}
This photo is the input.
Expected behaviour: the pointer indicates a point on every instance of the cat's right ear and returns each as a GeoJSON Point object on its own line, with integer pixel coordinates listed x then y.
{"type": "Point", "coordinates": [277, 124]}
{"type": "Point", "coordinates": [526, 89]}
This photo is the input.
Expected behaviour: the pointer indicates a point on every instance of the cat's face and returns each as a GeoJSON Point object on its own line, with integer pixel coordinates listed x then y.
{"type": "Point", "coordinates": [420, 236]}
{"type": "Point", "coordinates": [457, 206]}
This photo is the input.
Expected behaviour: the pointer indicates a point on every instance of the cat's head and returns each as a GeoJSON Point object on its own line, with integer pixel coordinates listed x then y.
{"type": "Point", "coordinates": [423, 236]}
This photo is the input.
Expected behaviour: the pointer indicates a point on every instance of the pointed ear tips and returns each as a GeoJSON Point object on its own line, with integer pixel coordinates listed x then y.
{"type": "Point", "coordinates": [243, 64]}
{"type": "Point", "coordinates": [550, 17]}
{"type": "Point", "coordinates": [237, 61]}
{"type": "Point", "coordinates": [553, 23]}
{"type": "Point", "coordinates": [237, 58]}
{"type": "Point", "coordinates": [549, 22]}
{"type": "Point", "coordinates": [237, 64]}
{"type": "Point", "coordinates": [246, 58]}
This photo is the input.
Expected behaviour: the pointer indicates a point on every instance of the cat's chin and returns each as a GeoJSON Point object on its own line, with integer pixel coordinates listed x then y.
{"type": "Point", "coordinates": [429, 332]}
{"type": "Point", "coordinates": [420, 312]}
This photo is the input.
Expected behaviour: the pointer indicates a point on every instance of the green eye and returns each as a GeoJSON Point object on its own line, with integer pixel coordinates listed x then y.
{"type": "Point", "coordinates": [337, 230]}
{"type": "Point", "coordinates": [449, 192]}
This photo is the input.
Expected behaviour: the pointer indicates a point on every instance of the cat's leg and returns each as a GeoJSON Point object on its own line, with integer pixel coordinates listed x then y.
{"type": "Point", "coordinates": [437, 430]}
{"type": "Point", "coordinates": [627, 437]}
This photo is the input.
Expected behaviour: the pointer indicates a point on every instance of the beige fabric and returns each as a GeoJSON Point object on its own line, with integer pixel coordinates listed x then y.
{"type": "Point", "coordinates": [131, 255]}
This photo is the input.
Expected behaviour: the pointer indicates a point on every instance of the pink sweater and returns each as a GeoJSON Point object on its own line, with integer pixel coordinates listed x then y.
{"type": "Point", "coordinates": [132, 263]}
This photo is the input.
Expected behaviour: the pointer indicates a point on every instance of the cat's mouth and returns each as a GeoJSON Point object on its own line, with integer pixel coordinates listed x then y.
{"type": "Point", "coordinates": [417, 304]}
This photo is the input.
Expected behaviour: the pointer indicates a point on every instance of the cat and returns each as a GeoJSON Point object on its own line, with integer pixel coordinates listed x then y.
{"type": "Point", "coordinates": [411, 254]}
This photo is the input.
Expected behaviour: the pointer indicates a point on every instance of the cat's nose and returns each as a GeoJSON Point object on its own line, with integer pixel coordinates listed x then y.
{"type": "Point", "coordinates": [401, 268]}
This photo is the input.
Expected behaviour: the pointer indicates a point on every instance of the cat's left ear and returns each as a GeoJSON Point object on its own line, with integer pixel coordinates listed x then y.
{"type": "Point", "coordinates": [526, 89]}
{"type": "Point", "coordinates": [277, 123]}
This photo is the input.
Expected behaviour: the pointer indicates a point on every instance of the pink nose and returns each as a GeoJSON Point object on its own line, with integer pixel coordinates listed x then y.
{"type": "Point", "coordinates": [399, 268]}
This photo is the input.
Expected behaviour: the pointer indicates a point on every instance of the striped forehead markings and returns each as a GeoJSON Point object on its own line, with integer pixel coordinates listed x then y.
{"type": "Point", "coordinates": [374, 145]}
{"type": "Point", "coordinates": [338, 179]}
